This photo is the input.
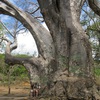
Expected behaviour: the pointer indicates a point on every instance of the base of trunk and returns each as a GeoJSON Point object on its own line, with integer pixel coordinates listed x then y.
{"type": "Point", "coordinates": [71, 88]}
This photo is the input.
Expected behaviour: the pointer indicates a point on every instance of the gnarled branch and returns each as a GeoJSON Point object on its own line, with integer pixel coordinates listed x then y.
{"type": "Point", "coordinates": [41, 35]}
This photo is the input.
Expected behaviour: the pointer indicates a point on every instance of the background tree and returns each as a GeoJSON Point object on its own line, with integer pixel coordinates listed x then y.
{"type": "Point", "coordinates": [91, 24]}
{"type": "Point", "coordinates": [66, 40]}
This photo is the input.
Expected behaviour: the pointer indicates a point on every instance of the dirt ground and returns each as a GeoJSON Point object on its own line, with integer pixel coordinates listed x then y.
{"type": "Point", "coordinates": [19, 91]}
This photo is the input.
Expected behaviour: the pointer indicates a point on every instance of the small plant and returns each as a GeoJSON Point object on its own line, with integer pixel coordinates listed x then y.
{"type": "Point", "coordinates": [97, 71]}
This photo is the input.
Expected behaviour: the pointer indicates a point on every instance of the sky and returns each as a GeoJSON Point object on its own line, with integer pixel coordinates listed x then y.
{"type": "Point", "coordinates": [26, 43]}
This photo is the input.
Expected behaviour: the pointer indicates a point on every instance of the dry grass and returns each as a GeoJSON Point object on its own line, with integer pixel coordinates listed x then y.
{"type": "Point", "coordinates": [97, 78]}
{"type": "Point", "coordinates": [18, 89]}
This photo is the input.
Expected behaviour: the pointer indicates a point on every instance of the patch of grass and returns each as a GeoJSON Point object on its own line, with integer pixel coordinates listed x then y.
{"type": "Point", "coordinates": [2, 56]}
{"type": "Point", "coordinates": [97, 71]}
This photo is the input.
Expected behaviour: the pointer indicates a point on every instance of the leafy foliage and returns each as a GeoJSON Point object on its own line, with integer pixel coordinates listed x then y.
{"type": "Point", "coordinates": [91, 24]}
{"type": "Point", "coordinates": [15, 71]}
{"type": "Point", "coordinates": [97, 71]}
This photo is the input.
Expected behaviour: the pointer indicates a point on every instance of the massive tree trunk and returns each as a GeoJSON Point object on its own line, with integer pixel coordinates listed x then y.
{"type": "Point", "coordinates": [72, 48]}
{"type": "Point", "coordinates": [65, 51]}
{"type": "Point", "coordinates": [41, 35]}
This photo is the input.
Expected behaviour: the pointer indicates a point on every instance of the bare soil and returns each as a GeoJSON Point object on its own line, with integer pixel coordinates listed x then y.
{"type": "Point", "coordinates": [19, 91]}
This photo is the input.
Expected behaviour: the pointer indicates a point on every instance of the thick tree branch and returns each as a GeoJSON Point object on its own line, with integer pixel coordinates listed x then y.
{"type": "Point", "coordinates": [12, 60]}
{"type": "Point", "coordinates": [10, 48]}
{"type": "Point", "coordinates": [5, 39]}
{"type": "Point", "coordinates": [34, 62]}
{"type": "Point", "coordinates": [50, 10]}
{"type": "Point", "coordinates": [41, 35]}
{"type": "Point", "coordinates": [14, 46]}
{"type": "Point", "coordinates": [95, 6]}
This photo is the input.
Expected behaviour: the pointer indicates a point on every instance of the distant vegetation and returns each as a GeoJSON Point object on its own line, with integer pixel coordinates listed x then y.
{"type": "Point", "coordinates": [97, 69]}
{"type": "Point", "coordinates": [19, 72]}
{"type": "Point", "coordinates": [16, 72]}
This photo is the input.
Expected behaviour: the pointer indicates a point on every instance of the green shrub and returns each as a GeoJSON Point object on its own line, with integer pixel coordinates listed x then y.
{"type": "Point", "coordinates": [97, 71]}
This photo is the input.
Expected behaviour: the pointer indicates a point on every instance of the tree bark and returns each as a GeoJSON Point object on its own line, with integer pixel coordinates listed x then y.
{"type": "Point", "coordinates": [72, 47]}
{"type": "Point", "coordinates": [41, 35]}
{"type": "Point", "coordinates": [65, 51]}
{"type": "Point", "coordinates": [71, 42]}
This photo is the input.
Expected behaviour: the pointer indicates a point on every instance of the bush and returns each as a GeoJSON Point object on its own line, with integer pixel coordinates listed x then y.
{"type": "Point", "coordinates": [97, 71]}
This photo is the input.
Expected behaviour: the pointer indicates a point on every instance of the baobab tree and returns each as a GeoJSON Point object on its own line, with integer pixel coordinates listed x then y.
{"type": "Point", "coordinates": [64, 50]}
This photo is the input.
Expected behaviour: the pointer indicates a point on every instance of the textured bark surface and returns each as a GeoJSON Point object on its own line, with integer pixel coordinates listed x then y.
{"type": "Point", "coordinates": [41, 35]}
{"type": "Point", "coordinates": [65, 61]}
{"type": "Point", "coordinates": [71, 43]}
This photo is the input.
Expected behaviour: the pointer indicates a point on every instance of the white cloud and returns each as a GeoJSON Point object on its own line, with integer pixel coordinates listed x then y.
{"type": "Point", "coordinates": [26, 44]}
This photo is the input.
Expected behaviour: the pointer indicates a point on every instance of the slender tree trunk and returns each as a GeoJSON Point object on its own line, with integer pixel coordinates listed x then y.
{"type": "Point", "coordinates": [9, 82]}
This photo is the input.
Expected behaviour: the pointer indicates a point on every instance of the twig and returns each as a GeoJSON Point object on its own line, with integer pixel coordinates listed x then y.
{"type": "Point", "coordinates": [6, 28]}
